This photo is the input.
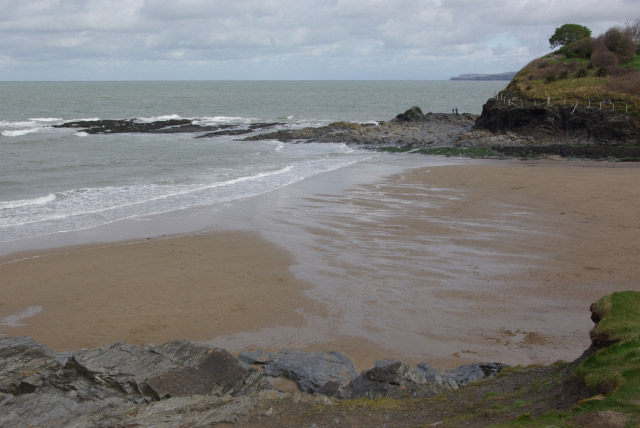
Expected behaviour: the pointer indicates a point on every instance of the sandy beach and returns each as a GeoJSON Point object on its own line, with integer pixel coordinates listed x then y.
{"type": "Point", "coordinates": [486, 260]}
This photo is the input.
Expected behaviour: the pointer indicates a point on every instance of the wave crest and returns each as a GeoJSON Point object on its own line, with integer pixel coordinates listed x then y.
{"type": "Point", "coordinates": [18, 203]}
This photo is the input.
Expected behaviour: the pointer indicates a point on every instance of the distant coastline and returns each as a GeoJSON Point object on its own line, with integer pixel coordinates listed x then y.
{"type": "Point", "coordinates": [499, 76]}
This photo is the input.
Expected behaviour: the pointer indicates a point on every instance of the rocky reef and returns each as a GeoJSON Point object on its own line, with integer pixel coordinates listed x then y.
{"type": "Point", "coordinates": [503, 129]}
{"type": "Point", "coordinates": [171, 126]}
{"type": "Point", "coordinates": [411, 129]}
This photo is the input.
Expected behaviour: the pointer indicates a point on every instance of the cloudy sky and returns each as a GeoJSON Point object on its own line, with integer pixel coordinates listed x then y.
{"type": "Point", "coordinates": [284, 39]}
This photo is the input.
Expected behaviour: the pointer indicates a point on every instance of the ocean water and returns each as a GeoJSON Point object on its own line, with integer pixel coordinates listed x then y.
{"type": "Point", "coordinates": [54, 180]}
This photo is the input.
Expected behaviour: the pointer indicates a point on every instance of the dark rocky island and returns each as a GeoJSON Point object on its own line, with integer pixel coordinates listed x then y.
{"type": "Point", "coordinates": [172, 126]}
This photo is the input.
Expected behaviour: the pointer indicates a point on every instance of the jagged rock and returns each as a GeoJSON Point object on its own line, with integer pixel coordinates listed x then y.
{"type": "Point", "coordinates": [177, 368]}
{"type": "Point", "coordinates": [390, 379]}
{"type": "Point", "coordinates": [461, 375]}
{"type": "Point", "coordinates": [24, 364]}
{"type": "Point", "coordinates": [310, 370]}
{"type": "Point", "coordinates": [108, 383]}
{"type": "Point", "coordinates": [414, 114]}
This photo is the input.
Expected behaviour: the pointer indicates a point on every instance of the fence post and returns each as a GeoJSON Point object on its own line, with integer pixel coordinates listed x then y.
{"type": "Point", "coordinates": [576, 106]}
{"type": "Point", "coordinates": [564, 101]}
{"type": "Point", "coordinates": [589, 102]}
{"type": "Point", "coordinates": [548, 101]}
{"type": "Point", "coordinates": [520, 102]}
{"type": "Point", "coordinates": [613, 106]}
{"type": "Point", "coordinates": [600, 105]}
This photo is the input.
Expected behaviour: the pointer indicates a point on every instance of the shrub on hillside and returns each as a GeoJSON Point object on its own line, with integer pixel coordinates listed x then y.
{"type": "Point", "coordinates": [581, 49]}
{"type": "Point", "coordinates": [581, 73]}
{"type": "Point", "coordinates": [602, 72]}
{"type": "Point", "coordinates": [603, 57]}
{"type": "Point", "coordinates": [555, 70]}
{"type": "Point", "coordinates": [627, 83]}
{"type": "Point", "coordinates": [620, 43]}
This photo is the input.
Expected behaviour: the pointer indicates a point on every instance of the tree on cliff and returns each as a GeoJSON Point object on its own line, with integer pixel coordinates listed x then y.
{"type": "Point", "coordinates": [568, 33]}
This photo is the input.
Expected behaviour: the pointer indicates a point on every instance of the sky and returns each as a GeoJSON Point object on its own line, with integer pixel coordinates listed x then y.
{"type": "Point", "coordinates": [285, 39]}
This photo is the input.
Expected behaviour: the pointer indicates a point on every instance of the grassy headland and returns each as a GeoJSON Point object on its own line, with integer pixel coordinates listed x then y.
{"type": "Point", "coordinates": [585, 72]}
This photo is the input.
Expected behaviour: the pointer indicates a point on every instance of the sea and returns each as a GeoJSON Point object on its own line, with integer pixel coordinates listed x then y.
{"type": "Point", "coordinates": [54, 180]}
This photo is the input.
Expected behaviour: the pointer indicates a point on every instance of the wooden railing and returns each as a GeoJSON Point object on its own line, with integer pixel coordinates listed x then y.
{"type": "Point", "coordinates": [619, 105]}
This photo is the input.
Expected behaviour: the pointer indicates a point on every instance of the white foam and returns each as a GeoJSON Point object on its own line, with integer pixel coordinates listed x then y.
{"type": "Point", "coordinates": [13, 320]}
{"type": "Point", "coordinates": [18, 124]}
{"type": "Point", "coordinates": [158, 118]}
{"type": "Point", "coordinates": [46, 119]}
{"type": "Point", "coordinates": [18, 203]}
{"type": "Point", "coordinates": [18, 132]}
{"type": "Point", "coordinates": [215, 120]}
{"type": "Point", "coordinates": [89, 119]}
{"type": "Point", "coordinates": [81, 134]}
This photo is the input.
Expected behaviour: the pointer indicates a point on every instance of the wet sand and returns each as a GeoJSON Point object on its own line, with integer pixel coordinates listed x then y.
{"type": "Point", "coordinates": [447, 264]}
{"type": "Point", "coordinates": [151, 291]}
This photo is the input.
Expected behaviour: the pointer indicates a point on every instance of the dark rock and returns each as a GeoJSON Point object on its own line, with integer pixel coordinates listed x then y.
{"type": "Point", "coordinates": [174, 369]}
{"type": "Point", "coordinates": [391, 379]}
{"type": "Point", "coordinates": [109, 383]}
{"type": "Point", "coordinates": [226, 132]}
{"type": "Point", "coordinates": [217, 373]}
{"type": "Point", "coordinates": [560, 125]}
{"type": "Point", "coordinates": [461, 375]}
{"type": "Point", "coordinates": [414, 114]}
{"type": "Point", "coordinates": [310, 370]}
{"type": "Point", "coordinates": [108, 126]}
{"type": "Point", "coordinates": [173, 126]}
{"type": "Point", "coordinates": [24, 365]}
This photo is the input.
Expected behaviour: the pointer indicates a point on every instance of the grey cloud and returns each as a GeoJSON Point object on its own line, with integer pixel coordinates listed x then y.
{"type": "Point", "coordinates": [417, 38]}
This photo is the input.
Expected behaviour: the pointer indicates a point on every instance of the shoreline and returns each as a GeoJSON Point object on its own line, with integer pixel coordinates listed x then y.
{"type": "Point", "coordinates": [472, 205]}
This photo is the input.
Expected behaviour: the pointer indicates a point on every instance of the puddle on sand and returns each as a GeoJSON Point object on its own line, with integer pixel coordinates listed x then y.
{"type": "Point", "coordinates": [14, 320]}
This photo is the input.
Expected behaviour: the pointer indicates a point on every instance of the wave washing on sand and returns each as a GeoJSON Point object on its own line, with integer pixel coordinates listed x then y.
{"type": "Point", "coordinates": [238, 171]}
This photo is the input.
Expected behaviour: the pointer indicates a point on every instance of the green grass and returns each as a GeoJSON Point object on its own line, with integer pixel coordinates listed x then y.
{"type": "Point", "coordinates": [378, 403]}
{"type": "Point", "coordinates": [441, 151]}
{"type": "Point", "coordinates": [612, 373]}
{"type": "Point", "coordinates": [530, 84]}
{"type": "Point", "coordinates": [633, 64]}
{"type": "Point", "coordinates": [392, 149]}
{"type": "Point", "coordinates": [459, 151]}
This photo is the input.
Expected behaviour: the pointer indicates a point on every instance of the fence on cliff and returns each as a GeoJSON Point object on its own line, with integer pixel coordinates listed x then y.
{"type": "Point", "coordinates": [619, 105]}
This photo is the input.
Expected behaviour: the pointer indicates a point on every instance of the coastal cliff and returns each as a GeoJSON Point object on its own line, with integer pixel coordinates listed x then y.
{"type": "Point", "coordinates": [512, 130]}
{"type": "Point", "coordinates": [184, 384]}
{"type": "Point", "coordinates": [567, 102]}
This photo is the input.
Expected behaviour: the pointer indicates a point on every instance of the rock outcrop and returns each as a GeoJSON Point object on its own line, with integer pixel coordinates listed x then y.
{"type": "Point", "coordinates": [503, 124]}
{"type": "Point", "coordinates": [117, 381]}
{"type": "Point", "coordinates": [171, 126]}
{"type": "Point", "coordinates": [411, 129]}
{"type": "Point", "coordinates": [184, 384]}
{"type": "Point", "coordinates": [310, 370]}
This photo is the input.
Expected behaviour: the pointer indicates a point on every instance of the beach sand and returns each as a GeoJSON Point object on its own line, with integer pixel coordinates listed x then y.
{"type": "Point", "coordinates": [151, 291]}
{"type": "Point", "coordinates": [483, 261]}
